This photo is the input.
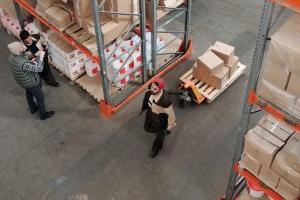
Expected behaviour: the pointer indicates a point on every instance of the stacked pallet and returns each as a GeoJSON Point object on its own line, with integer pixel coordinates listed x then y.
{"type": "Point", "coordinates": [272, 154]}
{"type": "Point", "coordinates": [67, 59]}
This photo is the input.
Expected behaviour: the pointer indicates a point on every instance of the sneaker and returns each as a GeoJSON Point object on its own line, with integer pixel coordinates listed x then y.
{"type": "Point", "coordinates": [47, 115]}
{"type": "Point", "coordinates": [34, 110]}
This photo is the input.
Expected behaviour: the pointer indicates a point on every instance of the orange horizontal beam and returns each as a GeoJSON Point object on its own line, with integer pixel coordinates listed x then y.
{"type": "Point", "coordinates": [26, 6]}
{"type": "Point", "coordinates": [292, 4]}
{"type": "Point", "coordinates": [254, 99]}
{"type": "Point", "coordinates": [251, 178]}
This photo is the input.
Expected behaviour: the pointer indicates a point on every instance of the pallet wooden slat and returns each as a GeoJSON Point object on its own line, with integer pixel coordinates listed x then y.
{"type": "Point", "coordinates": [209, 92]}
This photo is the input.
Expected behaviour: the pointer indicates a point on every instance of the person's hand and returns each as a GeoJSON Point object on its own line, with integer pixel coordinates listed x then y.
{"type": "Point", "coordinates": [42, 54]}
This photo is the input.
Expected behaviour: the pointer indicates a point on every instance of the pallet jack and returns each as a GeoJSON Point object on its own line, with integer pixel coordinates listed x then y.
{"type": "Point", "coordinates": [188, 94]}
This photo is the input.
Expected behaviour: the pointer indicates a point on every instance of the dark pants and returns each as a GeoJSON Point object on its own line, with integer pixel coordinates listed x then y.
{"type": "Point", "coordinates": [159, 141]}
{"type": "Point", "coordinates": [46, 74]}
{"type": "Point", "coordinates": [36, 94]}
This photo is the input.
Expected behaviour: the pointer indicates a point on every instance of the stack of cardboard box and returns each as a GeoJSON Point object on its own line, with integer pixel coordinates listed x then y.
{"type": "Point", "coordinates": [281, 77]}
{"type": "Point", "coordinates": [64, 13]}
{"type": "Point", "coordinates": [69, 60]}
{"type": "Point", "coordinates": [58, 12]}
{"type": "Point", "coordinates": [216, 65]}
{"type": "Point", "coordinates": [112, 25]}
{"type": "Point", "coordinates": [272, 153]}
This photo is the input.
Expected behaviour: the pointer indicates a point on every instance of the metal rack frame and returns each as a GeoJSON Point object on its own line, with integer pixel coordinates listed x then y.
{"type": "Point", "coordinates": [106, 106]}
{"type": "Point", "coordinates": [251, 99]}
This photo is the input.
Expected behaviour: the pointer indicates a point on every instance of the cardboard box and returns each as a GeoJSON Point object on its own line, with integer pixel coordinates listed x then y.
{"type": "Point", "coordinates": [282, 167]}
{"type": "Point", "coordinates": [224, 51]}
{"type": "Point", "coordinates": [217, 81]}
{"type": "Point", "coordinates": [210, 63]}
{"type": "Point", "coordinates": [293, 84]}
{"type": "Point", "coordinates": [233, 65]}
{"type": "Point", "coordinates": [274, 129]}
{"type": "Point", "coordinates": [286, 190]}
{"type": "Point", "coordinates": [260, 148]}
{"type": "Point", "coordinates": [279, 98]}
{"type": "Point", "coordinates": [276, 75]}
{"type": "Point", "coordinates": [269, 177]}
{"type": "Point", "coordinates": [251, 164]}
{"type": "Point", "coordinates": [293, 157]}
{"type": "Point", "coordinates": [287, 129]}
{"type": "Point", "coordinates": [268, 136]}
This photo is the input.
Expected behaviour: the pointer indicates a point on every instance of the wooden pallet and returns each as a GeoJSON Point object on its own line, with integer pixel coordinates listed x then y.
{"type": "Point", "coordinates": [209, 92]}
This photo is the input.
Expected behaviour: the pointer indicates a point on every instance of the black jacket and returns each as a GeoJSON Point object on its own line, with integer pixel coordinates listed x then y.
{"type": "Point", "coordinates": [156, 122]}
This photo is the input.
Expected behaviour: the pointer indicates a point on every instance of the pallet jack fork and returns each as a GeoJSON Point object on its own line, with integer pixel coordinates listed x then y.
{"type": "Point", "coordinates": [196, 94]}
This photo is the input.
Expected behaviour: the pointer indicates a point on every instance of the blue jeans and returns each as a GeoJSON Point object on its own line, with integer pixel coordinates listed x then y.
{"type": "Point", "coordinates": [35, 99]}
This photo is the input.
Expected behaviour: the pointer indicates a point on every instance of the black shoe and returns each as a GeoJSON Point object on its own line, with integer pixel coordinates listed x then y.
{"type": "Point", "coordinates": [34, 110]}
{"type": "Point", "coordinates": [54, 84]}
{"type": "Point", "coordinates": [153, 153]}
{"type": "Point", "coordinates": [47, 115]}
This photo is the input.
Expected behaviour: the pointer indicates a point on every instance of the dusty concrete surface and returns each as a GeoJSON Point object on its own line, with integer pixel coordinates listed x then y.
{"type": "Point", "coordinates": [78, 156]}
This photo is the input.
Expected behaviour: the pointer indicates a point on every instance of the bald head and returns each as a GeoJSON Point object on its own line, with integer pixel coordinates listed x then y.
{"type": "Point", "coordinates": [16, 48]}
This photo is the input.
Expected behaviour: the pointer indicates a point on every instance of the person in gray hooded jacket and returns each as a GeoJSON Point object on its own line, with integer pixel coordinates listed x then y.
{"type": "Point", "coordinates": [25, 72]}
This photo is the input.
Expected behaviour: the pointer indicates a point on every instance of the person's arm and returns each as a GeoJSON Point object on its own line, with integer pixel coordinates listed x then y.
{"type": "Point", "coordinates": [35, 67]}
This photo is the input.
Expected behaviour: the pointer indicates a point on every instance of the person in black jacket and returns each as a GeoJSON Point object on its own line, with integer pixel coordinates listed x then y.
{"type": "Point", "coordinates": [34, 45]}
{"type": "Point", "coordinates": [160, 117]}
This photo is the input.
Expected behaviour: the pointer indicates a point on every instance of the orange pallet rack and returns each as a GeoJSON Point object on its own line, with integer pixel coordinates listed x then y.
{"type": "Point", "coordinates": [251, 99]}
{"type": "Point", "coordinates": [106, 108]}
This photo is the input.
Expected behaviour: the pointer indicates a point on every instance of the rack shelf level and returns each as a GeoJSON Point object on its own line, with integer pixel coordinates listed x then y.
{"type": "Point", "coordinates": [292, 122]}
{"type": "Point", "coordinates": [251, 178]}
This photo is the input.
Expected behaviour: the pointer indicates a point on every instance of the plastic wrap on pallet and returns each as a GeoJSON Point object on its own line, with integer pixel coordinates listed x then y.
{"type": "Point", "coordinates": [281, 77]}
{"type": "Point", "coordinates": [279, 98]}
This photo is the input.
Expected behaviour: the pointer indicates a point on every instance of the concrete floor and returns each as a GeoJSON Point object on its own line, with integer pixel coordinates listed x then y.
{"type": "Point", "coordinates": [78, 156]}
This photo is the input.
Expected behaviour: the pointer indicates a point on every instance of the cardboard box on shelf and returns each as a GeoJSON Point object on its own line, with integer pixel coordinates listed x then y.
{"type": "Point", "coordinates": [233, 65]}
{"type": "Point", "coordinates": [276, 75]}
{"type": "Point", "coordinates": [251, 164]}
{"type": "Point", "coordinates": [269, 177]}
{"type": "Point", "coordinates": [224, 51]}
{"type": "Point", "coordinates": [286, 190]}
{"type": "Point", "coordinates": [60, 14]}
{"type": "Point", "coordinates": [282, 167]}
{"type": "Point", "coordinates": [260, 148]}
{"type": "Point", "coordinates": [293, 157]}
{"type": "Point", "coordinates": [286, 128]}
{"type": "Point", "coordinates": [279, 98]}
{"type": "Point", "coordinates": [268, 136]}
{"type": "Point", "coordinates": [210, 63]}
{"type": "Point", "coordinates": [293, 84]}
{"type": "Point", "coordinates": [272, 125]}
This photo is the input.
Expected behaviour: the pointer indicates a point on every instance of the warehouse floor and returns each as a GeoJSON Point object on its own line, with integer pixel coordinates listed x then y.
{"type": "Point", "coordinates": [79, 156]}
